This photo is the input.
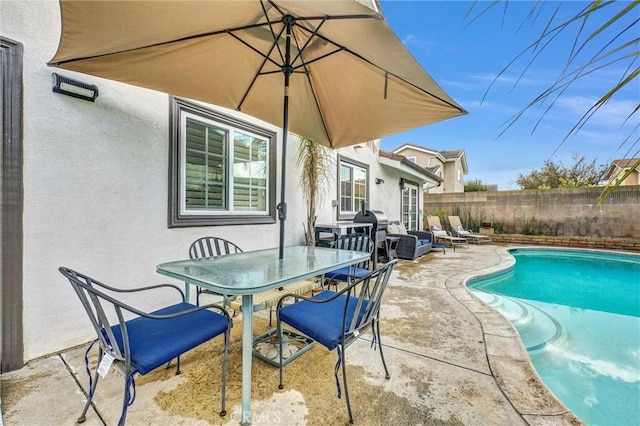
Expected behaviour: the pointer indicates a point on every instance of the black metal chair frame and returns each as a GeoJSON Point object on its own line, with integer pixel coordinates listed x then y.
{"type": "Point", "coordinates": [93, 296]}
{"type": "Point", "coordinates": [369, 291]}
{"type": "Point", "coordinates": [356, 241]}
{"type": "Point", "coordinates": [208, 247]}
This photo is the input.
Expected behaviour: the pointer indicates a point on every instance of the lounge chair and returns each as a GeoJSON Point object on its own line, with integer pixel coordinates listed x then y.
{"type": "Point", "coordinates": [411, 244]}
{"type": "Point", "coordinates": [442, 235]}
{"type": "Point", "coordinates": [459, 231]}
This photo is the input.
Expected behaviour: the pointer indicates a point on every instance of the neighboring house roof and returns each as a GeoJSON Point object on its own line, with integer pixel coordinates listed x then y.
{"type": "Point", "coordinates": [444, 156]}
{"type": "Point", "coordinates": [622, 164]}
{"type": "Point", "coordinates": [402, 163]}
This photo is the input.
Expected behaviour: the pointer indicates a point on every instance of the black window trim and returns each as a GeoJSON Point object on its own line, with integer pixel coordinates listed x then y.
{"type": "Point", "coordinates": [176, 219]}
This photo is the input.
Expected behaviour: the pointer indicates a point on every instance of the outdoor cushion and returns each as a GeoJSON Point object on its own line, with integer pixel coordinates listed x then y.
{"type": "Point", "coordinates": [460, 231]}
{"type": "Point", "coordinates": [156, 342]}
{"type": "Point", "coordinates": [436, 228]}
{"type": "Point", "coordinates": [343, 274]}
{"type": "Point", "coordinates": [402, 229]}
{"type": "Point", "coordinates": [320, 321]}
{"type": "Point", "coordinates": [440, 233]}
{"type": "Point", "coordinates": [392, 228]}
{"type": "Point", "coordinates": [423, 242]}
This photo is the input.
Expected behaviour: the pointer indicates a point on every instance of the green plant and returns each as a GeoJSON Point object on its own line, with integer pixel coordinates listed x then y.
{"type": "Point", "coordinates": [533, 227]}
{"type": "Point", "coordinates": [315, 162]}
{"type": "Point", "coordinates": [474, 185]}
{"type": "Point", "coordinates": [498, 226]}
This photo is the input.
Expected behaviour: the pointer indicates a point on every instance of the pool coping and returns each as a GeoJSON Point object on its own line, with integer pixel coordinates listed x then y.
{"type": "Point", "coordinates": [506, 354]}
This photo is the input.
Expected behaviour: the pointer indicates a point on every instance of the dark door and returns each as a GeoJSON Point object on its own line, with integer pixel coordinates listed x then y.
{"type": "Point", "coordinates": [11, 194]}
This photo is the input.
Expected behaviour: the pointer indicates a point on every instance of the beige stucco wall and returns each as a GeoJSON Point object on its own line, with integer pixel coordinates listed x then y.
{"type": "Point", "coordinates": [96, 187]}
{"type": "Point", "coordinates": [384, 197]}
{"type": "Point", "coordinates": [632, 179]}
{"type": "Point", "coordinates": [571, 211]}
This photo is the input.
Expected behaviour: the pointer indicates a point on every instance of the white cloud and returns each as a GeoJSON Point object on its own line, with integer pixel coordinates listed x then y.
{"type": "Point", "coordinates": [513, 80]}
{"type": "Point", "coordinates": [408, 39]}
{"type": "Point", "coordinates": [612, 113]}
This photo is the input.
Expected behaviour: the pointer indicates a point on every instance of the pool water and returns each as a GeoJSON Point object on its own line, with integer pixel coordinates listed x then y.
{"type": "Point", "coordinates": [578, 315]}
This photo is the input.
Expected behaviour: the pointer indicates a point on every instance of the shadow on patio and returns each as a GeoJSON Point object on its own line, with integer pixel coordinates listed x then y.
{"type": "Point", "coordinates": [452, 361]}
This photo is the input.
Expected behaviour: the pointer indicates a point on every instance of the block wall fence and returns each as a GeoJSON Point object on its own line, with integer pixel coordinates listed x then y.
{"type": "Point", "coordinates": [571, 212]}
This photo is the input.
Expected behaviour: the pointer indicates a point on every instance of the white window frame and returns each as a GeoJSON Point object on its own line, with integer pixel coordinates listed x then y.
{"type": "Point", "coordinates": [349, 214]}
{"type": "Point", "coordinates": [412, 208]}
{"type": "Point", "coordinates": [179, 215]}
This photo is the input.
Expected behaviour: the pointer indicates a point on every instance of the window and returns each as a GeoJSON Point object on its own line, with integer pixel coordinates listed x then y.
{"type": "Point", "coordinates": [413, 159]}
{"type": "Point", "coordinates": [222, 169]}
{"type": "Point", "coordinates": [353, 181]}
{"type": "Point", "coordinates": [409, 208]}
{"type": "Point", "coordinates": [458, 175]}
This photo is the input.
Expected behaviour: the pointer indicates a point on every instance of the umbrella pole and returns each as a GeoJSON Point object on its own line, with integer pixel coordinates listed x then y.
{"type": "Point", "coordinates": [287, 69]}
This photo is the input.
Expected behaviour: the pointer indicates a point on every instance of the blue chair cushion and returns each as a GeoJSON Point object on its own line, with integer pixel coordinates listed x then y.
{"type": "Point", "coordinates": [346, 273]}
{"type": "Point", "coordinates": [320, 321]}
{"type": "Point", "coordinates": [156, 342]}
{"type": "Point", "coordinates": [423, 242]}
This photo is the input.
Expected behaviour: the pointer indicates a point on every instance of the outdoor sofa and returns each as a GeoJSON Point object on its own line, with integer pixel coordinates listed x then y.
{"type": "Point", "coordinates": [411, 244]}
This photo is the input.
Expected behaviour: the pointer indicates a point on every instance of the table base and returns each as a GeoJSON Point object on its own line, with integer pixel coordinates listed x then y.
{"type": "Point", "coordinates": [266, 346]}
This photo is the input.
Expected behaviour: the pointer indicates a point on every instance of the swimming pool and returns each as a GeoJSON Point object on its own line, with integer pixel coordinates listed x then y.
{"type": "Point", "coordinates": [578, 315]}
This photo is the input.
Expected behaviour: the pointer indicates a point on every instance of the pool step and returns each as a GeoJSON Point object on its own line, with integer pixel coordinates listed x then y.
{"type": "Point", "coordinates": [537, 328]}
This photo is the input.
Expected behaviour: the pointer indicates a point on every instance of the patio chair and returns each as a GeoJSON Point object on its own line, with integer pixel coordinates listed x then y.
{"type": "Point", "coordinates": [356, 242]}
{"type": "Point", "coordinates": [442, 235]}
{"type": "Point", "coordinates": [458, 231]}
{"type": "Point", "coordinates": [148, 340]}
{"type": "Point", "coordinates": [337, 319]}
{"type": "Point", "coordinates": [208, 247]}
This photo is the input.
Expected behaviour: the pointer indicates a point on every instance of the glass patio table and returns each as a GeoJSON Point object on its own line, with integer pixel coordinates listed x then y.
{"type": "Point", "coordinates": [249, 273]}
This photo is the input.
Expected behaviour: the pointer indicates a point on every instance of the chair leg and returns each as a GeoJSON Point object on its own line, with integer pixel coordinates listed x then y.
{"type": "Point", "coordinates": [376, 326]}
{"type": "Point", "coordinates": [279, 333]}
{"type": "Point", "coordinates": [225, 356]}
{"type": "Point", "coordinates": [343, 360]}
{"type": "Point", "coordinates": [92, 390]}
{"type": "Point", "coordinates": [126, 399]}
{"type": "Point", "coordinates": [93, 382]}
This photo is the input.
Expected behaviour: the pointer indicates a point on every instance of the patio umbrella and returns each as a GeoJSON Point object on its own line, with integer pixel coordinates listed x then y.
{"type": "Point", "coordinates": [330, 71]}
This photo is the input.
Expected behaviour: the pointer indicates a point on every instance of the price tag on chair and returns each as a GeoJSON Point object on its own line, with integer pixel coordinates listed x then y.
{"type": "Point", "coordinates": [105, 364]}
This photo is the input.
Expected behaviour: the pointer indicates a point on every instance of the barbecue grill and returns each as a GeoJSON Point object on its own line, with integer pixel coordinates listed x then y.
{"type": "Point", "coordinates": [379, 222]}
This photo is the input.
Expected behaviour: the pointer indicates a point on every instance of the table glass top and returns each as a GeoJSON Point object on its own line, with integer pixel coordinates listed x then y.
{"type": "Point", "coordinates": [261, 270]}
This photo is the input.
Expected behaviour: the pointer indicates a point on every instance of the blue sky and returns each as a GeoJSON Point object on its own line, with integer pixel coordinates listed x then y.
{"type": "Point", "coordinates": [464, 58]}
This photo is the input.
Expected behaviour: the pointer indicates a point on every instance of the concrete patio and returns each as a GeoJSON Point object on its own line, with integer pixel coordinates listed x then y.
{"type": "Point", "coordinates": [452, 361]}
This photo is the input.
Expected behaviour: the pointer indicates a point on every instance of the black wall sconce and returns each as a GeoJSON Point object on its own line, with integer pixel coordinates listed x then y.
{"type": "Point", "coordinates": [379, 181]}
{"type": "Point", "coordinates": [77, 89]}
{"type": "Point", "coordinates": [402, 181]}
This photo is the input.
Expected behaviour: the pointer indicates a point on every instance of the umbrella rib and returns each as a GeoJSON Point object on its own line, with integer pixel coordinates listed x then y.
{"type": "Point", "coordinates": [266, 58]}
{"type": "Point", "coordinates": [270, 23]}
{"type": "Point", "coordinates": [166, 43]}
{"type": "Point", "coordinates": [308, 42]}
{"type": "Point", "coordinates": [341, 48]}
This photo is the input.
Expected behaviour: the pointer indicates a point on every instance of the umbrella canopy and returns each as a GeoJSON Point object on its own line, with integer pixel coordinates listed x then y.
{"type": "Point", "coordinates": [347, 77]}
